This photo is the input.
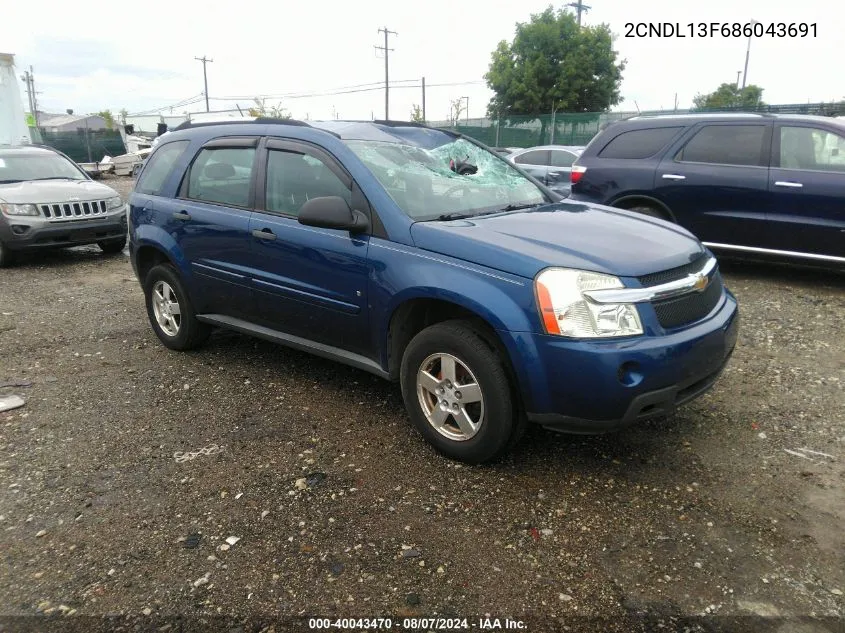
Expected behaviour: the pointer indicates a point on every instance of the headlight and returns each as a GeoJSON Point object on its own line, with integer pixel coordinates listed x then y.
{"type": "Point", "coordinates": [566, 311]}
{"type": "Point", "coordinates": [18, 209]}
{"type": "Point", "coordinates": [114, 203]}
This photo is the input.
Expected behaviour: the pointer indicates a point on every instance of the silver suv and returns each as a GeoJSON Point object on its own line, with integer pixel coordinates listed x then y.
{"type": "Point", "coordinates": [47, 201]}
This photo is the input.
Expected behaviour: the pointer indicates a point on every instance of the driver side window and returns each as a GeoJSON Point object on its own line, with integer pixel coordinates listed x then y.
{"type": "Point", "coordinates": [294, 178]}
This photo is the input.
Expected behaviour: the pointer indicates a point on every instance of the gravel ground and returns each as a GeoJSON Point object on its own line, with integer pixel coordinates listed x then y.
{"type": "Point", "coordinates": [341, 509]}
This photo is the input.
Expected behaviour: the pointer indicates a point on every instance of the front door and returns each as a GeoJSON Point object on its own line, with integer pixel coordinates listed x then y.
{"type": "Point", "coordinates": [716, 182]}
{"type": "Point", "coordinates": [310, 282]}
{"type": "Point", "coordinates": [210, 222]}
{"type": "Point", "coordinates": [807, 186]}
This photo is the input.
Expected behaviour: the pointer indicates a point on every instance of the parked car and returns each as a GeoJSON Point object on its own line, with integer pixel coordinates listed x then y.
{"type": "Point", "coordinates": [550, 164]}
{"type": "Point", "coordinates": [742, 183]}
{"type": "Point", "coordinates": [505, 151]}
{"type": "Point", "coordinates": [48, 201]}
{"type": "Point", "coordinates": [487, 301]}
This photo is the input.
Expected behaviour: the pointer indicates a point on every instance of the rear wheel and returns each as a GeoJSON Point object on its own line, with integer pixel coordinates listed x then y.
{"type": "Point", "coordinates": [170, 311]}
{"type": "Point", "coordinates": [113, 246]}
{"type": "Point", "coordinates": [457, 393]}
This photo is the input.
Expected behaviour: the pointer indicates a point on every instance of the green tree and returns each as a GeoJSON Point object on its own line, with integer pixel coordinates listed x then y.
{"type": "Point", "coordinates": [553, 64]}
{"type": "Point", "coordinates": [417, 114]}
{"type": "Point", "coordinates": [730, 96]}
{"type": "Point", "coordinates": [108, 117]}
{"type": "Point", "coordinates": [262, 109]}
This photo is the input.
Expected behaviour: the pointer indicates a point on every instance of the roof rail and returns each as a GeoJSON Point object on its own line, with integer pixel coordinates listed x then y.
{"type": "Point", "coordinates": [259, 120]}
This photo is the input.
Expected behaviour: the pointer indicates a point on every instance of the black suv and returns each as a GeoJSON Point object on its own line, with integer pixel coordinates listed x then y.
{"type": "Point", "coordinates": [747, 183]}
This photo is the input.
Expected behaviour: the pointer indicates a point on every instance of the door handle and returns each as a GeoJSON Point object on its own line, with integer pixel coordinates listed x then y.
{"type": "Point", "coordinates": [182, 215]}
{"type": "Point", "coordinates": [264, 234]}
{"type": "Point", "coordinates": [673, 177]}
{"type": "Point", "coordinates": [786, 183]}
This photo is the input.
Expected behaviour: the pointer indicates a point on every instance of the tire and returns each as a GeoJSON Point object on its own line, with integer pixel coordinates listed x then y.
{"type": "Point", "coordinates": [177, 330]}
{"type": "Point", "coordinates": [497, 424]}
{"type": "Point", "coordinates": [651, 212]}
{"type": "Point", "coordinates": [7, 257]}
{"type": "Point", "coordinates": [114, 246]}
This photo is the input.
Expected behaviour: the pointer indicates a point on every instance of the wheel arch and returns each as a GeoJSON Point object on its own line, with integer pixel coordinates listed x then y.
{"type": "Point", "coordinates": [629, 201]}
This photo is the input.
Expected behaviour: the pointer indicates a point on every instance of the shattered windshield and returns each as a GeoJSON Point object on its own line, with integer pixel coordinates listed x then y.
{"type": "Point", "coordinates": [454, 179]}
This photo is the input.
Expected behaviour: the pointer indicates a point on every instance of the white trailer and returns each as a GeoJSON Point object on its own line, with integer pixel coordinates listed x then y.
{"type": "Point", "coordinates": [13, 127]}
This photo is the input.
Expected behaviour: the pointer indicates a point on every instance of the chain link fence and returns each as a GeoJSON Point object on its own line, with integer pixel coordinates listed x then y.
{"type": "Point", "coordinates": [82, 146]}
{"type": "Point", "coordinates": [579, 128]}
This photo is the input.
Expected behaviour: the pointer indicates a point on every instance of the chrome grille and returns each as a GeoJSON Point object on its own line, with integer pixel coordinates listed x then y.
{"type": "Point", "coordinates": [73, 210]}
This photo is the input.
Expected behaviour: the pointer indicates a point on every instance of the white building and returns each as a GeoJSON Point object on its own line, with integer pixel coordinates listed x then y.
{"type": "Point", "coordinates": [70, 122]}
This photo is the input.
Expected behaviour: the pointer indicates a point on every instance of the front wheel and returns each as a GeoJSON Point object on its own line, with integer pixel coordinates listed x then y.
{"type": "Point", "coordinates": [170, 311]}
{"type": "Point", "coordinates": [113, 246]}
{"type": "Point", "coordinates": [7, 257]}
{"type": "Point", "coordinates": [457, 393]}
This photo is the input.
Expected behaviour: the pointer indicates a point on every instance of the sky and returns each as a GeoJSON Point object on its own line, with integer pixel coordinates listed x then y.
{"type": "Point", "coordinates": [140, 55]}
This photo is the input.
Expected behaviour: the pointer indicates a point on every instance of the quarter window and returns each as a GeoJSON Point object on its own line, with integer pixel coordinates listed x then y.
{"type": "Point", "coordinates": [294, 178]}
{"type": "Point", "coordinates": [811, 148]}
{"type": "Point", "coordinates": [222, 175]}
{"type": "Point", "coordinates": [726, 145]}
{"type": "Point", "coordinates": [539, 157]}
{"type": "Point", "coordinates": [159, 165]}
{"type": "Point", "coordinates": [639, 143]}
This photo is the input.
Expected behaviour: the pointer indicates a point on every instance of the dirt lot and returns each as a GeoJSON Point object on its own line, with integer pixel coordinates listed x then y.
{"type": "Point", "coordinates": [732, 507]}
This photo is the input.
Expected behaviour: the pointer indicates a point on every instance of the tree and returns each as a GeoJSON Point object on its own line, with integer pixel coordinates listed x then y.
{"type": "Point", "coordinates": [730, 96]}
{"type": "Point", "coordinates": [123, 114]}
{"type": "Point", "coordinates": [553, 64]}
{"type": "Point", "coordinates": [456, 108]}
{"type": "Point", "coordinates": [417, 114]}
{"type": "Point", "coordinates": [261, 109]}
{"type": "Point", "coordinates": [108, 117]}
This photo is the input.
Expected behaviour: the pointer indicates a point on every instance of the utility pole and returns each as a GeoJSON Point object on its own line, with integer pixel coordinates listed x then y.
{"type": "Point", "coordinates": [580, 8]}
{"type": "Point", "coordinates": [204, 61]}
{"type": "Point", "coordinates": [467, 98]}
{"type": "Point", "coordinates": [738, 73]}
{"type": "Point", "coordinates": [28, 81]}
{"type": "Point", "coordinates": [386, 70]}
{"type": "Point", "coordinates": [423, 98]}
{"type": "Point", "coordinates": [747, 54]}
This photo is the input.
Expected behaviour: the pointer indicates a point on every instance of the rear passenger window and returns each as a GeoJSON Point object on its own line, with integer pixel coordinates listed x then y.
{"type": "Point", "coordinates": [639, 143]}
{"type": "Point", "coordinates": [159, 167]}
{"type": "Point", "coordinates": [726, 145]}
{"type": "Point", "coordinates": [540, 157]}
{"type": "Point", "coordinates": [561, 158]}
{"type": "Point", "coordinates": [222, 175]}
{"type": "Point", "coordinates": [293, 179]}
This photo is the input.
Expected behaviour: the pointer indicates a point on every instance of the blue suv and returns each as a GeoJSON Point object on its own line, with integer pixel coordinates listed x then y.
{"type": "Point", "coordinates": [747, 184]}
{"type": "Point", "coordinates": [420, 256]}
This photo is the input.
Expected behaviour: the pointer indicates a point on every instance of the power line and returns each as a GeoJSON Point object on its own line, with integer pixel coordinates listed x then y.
{"type": "Point", "coordinates": [204, 61]}
{"type": "Point", "coordinates": [386, 83]}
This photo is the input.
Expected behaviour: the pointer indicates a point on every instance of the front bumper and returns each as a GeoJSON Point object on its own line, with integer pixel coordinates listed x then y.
{"type": "Point", "coordinates": [600, 386]}
{"type": "Point", "coordinates": [25, 233]}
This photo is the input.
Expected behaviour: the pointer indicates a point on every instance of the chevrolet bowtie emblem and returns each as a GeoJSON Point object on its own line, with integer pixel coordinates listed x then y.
{"type": "Point", "coordinates": [701, 282]}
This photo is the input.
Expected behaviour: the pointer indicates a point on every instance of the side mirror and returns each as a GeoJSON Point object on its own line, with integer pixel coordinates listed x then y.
{"type": "Point", "coordinates": [332, 212]}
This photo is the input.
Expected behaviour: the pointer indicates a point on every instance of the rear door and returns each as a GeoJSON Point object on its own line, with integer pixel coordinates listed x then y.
{"type": "Point", "coordinates": [535, 162]}
{"type": "Point", "coordinates": [210, 221]}
{"type": "Point", "coordinates": [807, 185]}
{"type": "Point", "coordinates": [715, 182]}
{"type": "Point", "coordinates": [558, 176]}
{"type": "Point", "coordinates": [308, 281]}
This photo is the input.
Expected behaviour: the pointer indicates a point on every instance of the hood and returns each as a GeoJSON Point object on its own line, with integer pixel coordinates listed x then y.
{"type": "Point", "coordinates": [566, 234]}
{"type": "Point", "coordinates": [48, 191]}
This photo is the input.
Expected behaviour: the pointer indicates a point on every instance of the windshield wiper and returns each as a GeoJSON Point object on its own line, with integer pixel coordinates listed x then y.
{"type": "Point", "coordinates": [453, 216]}
{"type": "Point", "coordinates": [517, 207]}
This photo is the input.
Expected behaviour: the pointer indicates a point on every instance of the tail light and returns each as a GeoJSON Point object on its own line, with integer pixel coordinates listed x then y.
{"type": "Point", "coordinates": [576, 173]}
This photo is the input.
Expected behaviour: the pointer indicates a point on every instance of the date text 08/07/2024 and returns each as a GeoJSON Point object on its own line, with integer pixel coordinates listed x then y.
{"type": "Point", "coordinates": [720, 29]}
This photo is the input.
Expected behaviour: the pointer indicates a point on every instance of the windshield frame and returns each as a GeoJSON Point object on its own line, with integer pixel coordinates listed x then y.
{"type": "Point", "coordinates": [41, 154]}
{"type": "Point", "coordinates": [546, 196]}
